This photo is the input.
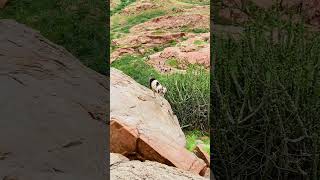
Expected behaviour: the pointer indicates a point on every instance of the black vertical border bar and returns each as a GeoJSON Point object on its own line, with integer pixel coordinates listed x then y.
{"type": "Point", "coordinates": [213, 99]}
{"type": "Point", "coordinates": [107, 57]}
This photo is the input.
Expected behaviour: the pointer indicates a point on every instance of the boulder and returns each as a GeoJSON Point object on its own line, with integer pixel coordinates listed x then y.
{"type": "Point", "coordinates": [53, 110]}
{"type": "Point", "coordinates": [145, 128]}
{"type": "Point", "coordinates": [121, 169]}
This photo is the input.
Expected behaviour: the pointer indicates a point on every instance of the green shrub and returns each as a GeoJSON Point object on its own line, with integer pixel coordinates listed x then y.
{"type": "Point", "coordinates": [193, 136]}
{"type": "Point", "coordinates": [173, 62]}
{"type": "Point", "coordinates": [266, 105]}
{"type": "Point", "coordinates": [189, 96]}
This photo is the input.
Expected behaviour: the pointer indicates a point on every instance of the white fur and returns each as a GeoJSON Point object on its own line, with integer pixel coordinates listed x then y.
{"type": "Point", "coordinates": [158, 88]}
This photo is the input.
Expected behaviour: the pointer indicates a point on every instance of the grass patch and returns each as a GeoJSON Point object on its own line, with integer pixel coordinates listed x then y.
{"type": "Point", "coordinates": [173, 63]}
{"type": "Point", "coordinates": [188, 94]}
{"type": "Point", "coordinates": [79, 26]}
{"type": "Point", "coordinates": [158, 32]}
{"type": "Point", "coordinates": [193, 136]}
{"type": "Point", "coordinates": [138, 19]}
{"type": "Point", "coordinates": [121, 6]}
{"type": "Point", "coordinates": [199, 42]}
{"type": "Point", "coordinates": [199, 30]}
{"type": "Point", "coordinates": [197, 2]}
{"type": "Point", "coordinates": [136, 68]}
{"type": "Point", "coordinates": [194, 30]}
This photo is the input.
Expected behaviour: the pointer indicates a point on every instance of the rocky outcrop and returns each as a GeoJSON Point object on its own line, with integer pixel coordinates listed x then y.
{"type": "Point", "coordinates": [145, 128]}
{"type": "Point", "coordinates": [138, 7]}
{"type": "Point", "coordinates": [53, 110]}
{"type": "Point", "coordinates": [141, 42]}
{"type": "Point", "coordinates": [195, 50]}
{"type": "Point", "coordinates": [159, 32]}
{"type": "Point", "coordinates": [123, 169]}
{"type": "Point", "coordinates": [174, 23]}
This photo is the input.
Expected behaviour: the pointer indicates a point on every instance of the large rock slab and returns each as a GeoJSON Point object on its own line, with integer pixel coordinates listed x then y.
{"type": "Point", "coordinates": [122, 169]}
{"type": "Point", "coordinates": [53, 110]}
{"type": "Point", "coordinates": [143, 127]}
{"type": "Point", "coordinates": [128, 141]}
{"type": "Point", "coordinates": [134, 105]}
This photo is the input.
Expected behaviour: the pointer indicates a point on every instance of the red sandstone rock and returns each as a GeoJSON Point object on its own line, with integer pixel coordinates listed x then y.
{"type": "Point", "coordinates": [174, 22]}
{"type": "Point", "coordinates": [170, 154]}
{"type": "Point", "coordinates": [119, 52]}
{"type": "Point", "coordinates": [138, 7]}
{"type": "Point", "coordinates": [122, 139]}
{"type": "Point", "coordinates": [135, 43]}
{"type": "Point", "coordinates": [201, 153]}
{"type": "Point", "coordinates": [128, 140]}
{"type": "Point", "coordinates": [187, 52]}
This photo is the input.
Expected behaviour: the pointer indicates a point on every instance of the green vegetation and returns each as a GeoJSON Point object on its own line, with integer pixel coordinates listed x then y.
{"type": "Point", "coordinates": [194, 30]}
{"type": "Point", "coordinates": [198, 30]}
{"type": "Point", "coordinates": [136, 68]}
{"type": "Point", "coordinates": [266, 103]}
{"type": "Point", "coordinates": [173, 62]}
{"type": "Point", "coordinates": [138, 19]}
{"type": "Point", "coordinates": [193, 136]}
{"type": "Point", "coordinates": [199, 42]}
{"type": "Point", "coordinates": [122, 5]}
{"type": "Point", "coordinates": [197, 2]}
{"type": "Point", "coordinates": [79, 26]}
{"type": "Point", "coordinates": [188, 94]}
{"type": "Point", "coordinates": [158, 32]}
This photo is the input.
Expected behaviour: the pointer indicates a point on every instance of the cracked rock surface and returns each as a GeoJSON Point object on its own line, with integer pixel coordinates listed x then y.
{"type": "Point", "coordinates": [53, 110]}
{"type": "Point", "coordinates": [123, 169]}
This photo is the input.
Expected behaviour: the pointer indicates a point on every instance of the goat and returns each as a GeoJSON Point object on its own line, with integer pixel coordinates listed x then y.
{"type": "Point", "coordinates": [156, 87]}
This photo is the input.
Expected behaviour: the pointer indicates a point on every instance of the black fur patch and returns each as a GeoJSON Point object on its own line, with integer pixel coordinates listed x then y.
{"type": "Point", "coordinates": [150, 81]}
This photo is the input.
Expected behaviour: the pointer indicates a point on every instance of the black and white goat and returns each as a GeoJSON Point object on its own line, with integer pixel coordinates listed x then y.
{"type": "Point", "coordinates": [156, 87]}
